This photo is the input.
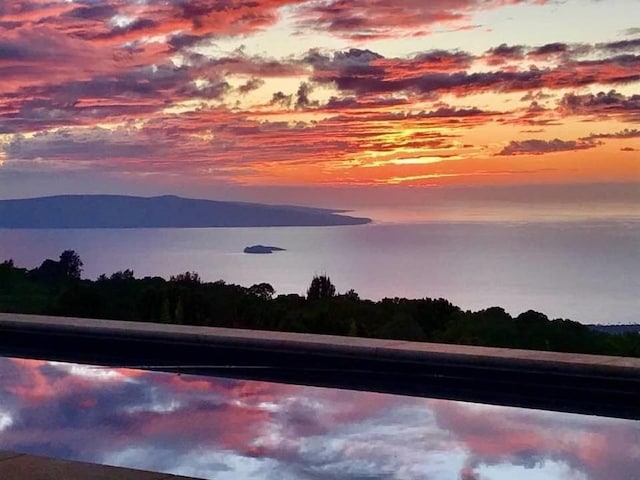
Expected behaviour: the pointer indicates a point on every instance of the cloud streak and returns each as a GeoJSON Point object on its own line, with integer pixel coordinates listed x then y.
{"type": "Point", "coordinates": [366, 20]}
{"type": "Point", "coordinates": [541, 147]}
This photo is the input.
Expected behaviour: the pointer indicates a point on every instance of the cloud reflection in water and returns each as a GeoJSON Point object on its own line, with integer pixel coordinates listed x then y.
{"type": "Point", "coordinates": [234, 429]}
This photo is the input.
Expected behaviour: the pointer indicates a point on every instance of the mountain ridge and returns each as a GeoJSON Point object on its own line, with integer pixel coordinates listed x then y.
{"type": "Point", "coordinates": [165, 211]}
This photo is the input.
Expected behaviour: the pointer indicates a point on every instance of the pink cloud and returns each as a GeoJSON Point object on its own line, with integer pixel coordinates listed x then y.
{"type": "Point", "coordinates": [602, 105]}
{"type": "Point", "coordinates": [541, 147]}
{"type": "Point", "coordinates": [595, 447]}
{"type": "Point", "coordinates": [296, 431]}
{"type": "Point", "coordinates": [366, 20]}
{"type": "Point", "coordinates": [69, 64]}
{"type": "Point", "coordinates": [363, 73]}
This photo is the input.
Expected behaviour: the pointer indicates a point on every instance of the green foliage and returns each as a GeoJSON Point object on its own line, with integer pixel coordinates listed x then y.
{"type": "Point", "coordinates": [18, 293]}
{"type": "Point", "coordinates": [10, 276]}
{"type": "Point", "coordinates": [55, 288]}
{"type": "Point", "coordinates": [402, 327]}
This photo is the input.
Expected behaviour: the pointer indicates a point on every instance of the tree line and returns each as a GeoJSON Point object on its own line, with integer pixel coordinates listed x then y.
{"type": "Point", "coordinates": [56, 288]}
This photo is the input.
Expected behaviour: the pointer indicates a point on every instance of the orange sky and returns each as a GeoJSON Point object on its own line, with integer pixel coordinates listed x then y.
{"type": "Point", "coordinates": [306, 93]}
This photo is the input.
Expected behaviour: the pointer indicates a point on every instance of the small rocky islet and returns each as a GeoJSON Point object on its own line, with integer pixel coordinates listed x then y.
{"type": "Point", "coordinates": [262, 249]}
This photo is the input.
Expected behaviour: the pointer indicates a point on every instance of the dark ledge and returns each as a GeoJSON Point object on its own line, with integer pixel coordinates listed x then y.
{"type": "Point", "coordinates": [18, 466]}
{"type": "Point", "coordinates": [588, 384]}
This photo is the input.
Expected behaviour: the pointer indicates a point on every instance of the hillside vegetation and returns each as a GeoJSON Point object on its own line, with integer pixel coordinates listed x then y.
{"type": "Point", "coordinates": [56, 288]}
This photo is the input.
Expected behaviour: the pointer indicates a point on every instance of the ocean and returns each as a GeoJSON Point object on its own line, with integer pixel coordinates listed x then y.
{"type": "Point", "coordinates": [584, 270]}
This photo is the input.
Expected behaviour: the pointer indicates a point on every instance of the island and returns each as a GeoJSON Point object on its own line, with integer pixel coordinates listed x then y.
{"type": "Point", "coordinates": [262, 249]}
{"type": "Point", "coordinates": [168, 211]}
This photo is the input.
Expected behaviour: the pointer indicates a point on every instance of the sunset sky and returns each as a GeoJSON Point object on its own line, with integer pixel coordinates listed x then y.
{"type": "Point", "coordinates": [204, 97]}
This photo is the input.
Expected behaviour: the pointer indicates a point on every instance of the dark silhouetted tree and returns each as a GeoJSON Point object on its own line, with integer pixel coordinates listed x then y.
{"type": "Point", "coordinates": [186, 278]}
{"type": "Point", "coordinates": [122, 275]}
{"type": "Point", "coordinates": [262, 290]}
{"type": "Point", "coordinates": [626, 344]}
{"type": "Point", "coordinates": [351, 295]}
{"type": "Point", "coordinates": [49, 271]}
{"type": "Point", "coordinates": [321, 288]}
{"type": "Point", "coordinates": [70, 264]}
{"type": "Point", "coordinates": [401, 326]}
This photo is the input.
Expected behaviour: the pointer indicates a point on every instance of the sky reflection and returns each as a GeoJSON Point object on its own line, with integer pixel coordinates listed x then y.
{"type": "Point", "coordinates": [235, 429]}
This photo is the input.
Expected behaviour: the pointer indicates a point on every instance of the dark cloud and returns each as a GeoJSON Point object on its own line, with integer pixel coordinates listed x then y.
{"type": "Point", "coordinates": [443, 112]}
{"type": "Point", "coordinates": [560, 52]}
{"type": "Point", "coordinates": [365, 20]}
{"type": "Point", "coordinates": [215, 89]}
{"type": "Point", "coordinates": [353, 103]}
{"type": "Point", "coordinates": [623, 134]}
{"type": "Point", "coordinates": [626, 45]}
{"type": "Point", "coordinates": [99, 12]}
{"type": "Point", "coordinates": [536, 96]}
{"type": "Point", "coordinates": [250, 85]}
{"type": "Point", "coordinates": [38, 45]}
{"type": "Point", "coordinates": [36, 63]}
{"type": "Point", "coordinates": [138, 26]}
{"type": "Point", "coordinates": [504, 53]}
{"type": "Point", "coordinates": [280, 99]}
{"type": "Point", "coordinates": [12, 51]}
{"type": "Point", "coordinates": [302, 96]}
{"type": "Point", "coordinates": [444, 60]}
{"type": "Point", "coordinates": [241, 64]}
{"type": "Point", "coordinates": [541, 147]}
{"type": "Point", "coordinates": [9, 25]}
{"type": "Point", "coordinates": [353, 61]}
{"type": "Point", "coordinates": [550, 49]}
{"type": "Point", "coordinates": [535, 107]}
{"type": "Point", "coordinates": [602, 104]}
{"type": "Point", "coordinates": [183, 40]}
{"type": "Point", "coordinates": [536, 114]}
{"type": "Point", "coordinates": [140, 91]}
{"type": "Point", "coordinates": [228, 16]}
{"type": "Point", "coordinates": [74, 149]}
{"type": "Point", "coordinates": [366, 73]}
{"type": "Point", "coordinates": [84, 102]}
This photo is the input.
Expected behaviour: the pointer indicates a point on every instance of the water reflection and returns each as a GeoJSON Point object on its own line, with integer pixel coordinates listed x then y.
{"type": "Point", "coordinates": [234, 429]}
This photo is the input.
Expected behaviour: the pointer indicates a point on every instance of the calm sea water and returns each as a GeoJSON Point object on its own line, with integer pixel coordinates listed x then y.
{"type": "Point", "coordinates": [587, 271]}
